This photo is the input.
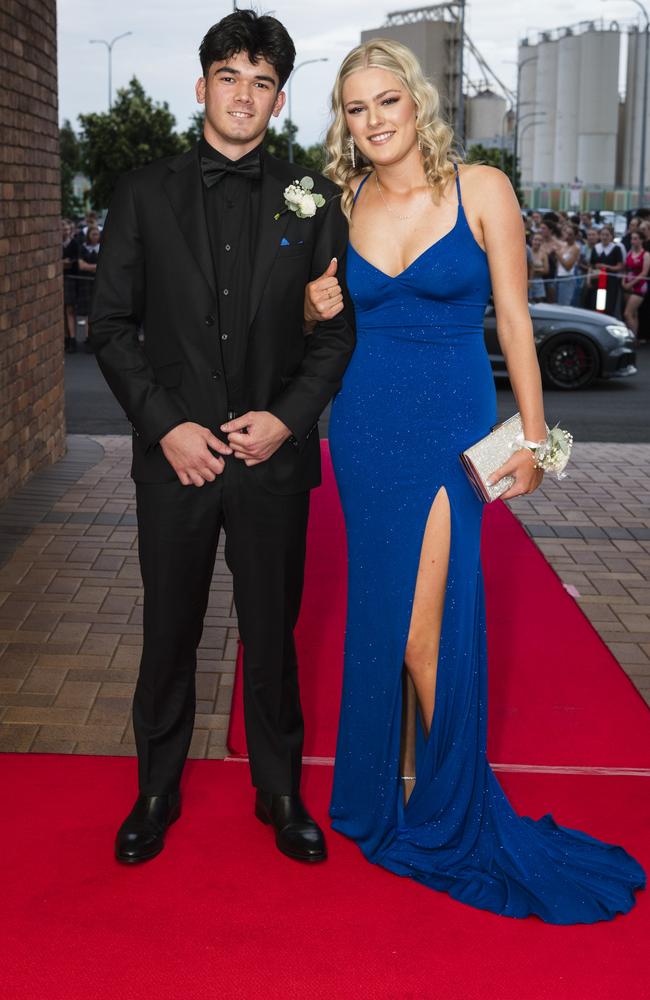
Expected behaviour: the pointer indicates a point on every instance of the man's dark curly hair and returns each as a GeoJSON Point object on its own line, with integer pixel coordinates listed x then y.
{"type": "Point", "coordinates": [261, 37]}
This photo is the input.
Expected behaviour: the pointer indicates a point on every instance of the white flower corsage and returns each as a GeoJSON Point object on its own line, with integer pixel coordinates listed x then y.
{"type": "Point", "coordinates": [552, 454]}
{"type": "Point", "coordinates": [300, 198]}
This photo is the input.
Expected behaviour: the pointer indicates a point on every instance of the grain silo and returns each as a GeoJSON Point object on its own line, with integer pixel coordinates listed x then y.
{"type": "Point", "coordinates": [598, 106]}
{"type": "Point", "coordinates": [566, 119]}
{"type": "Point", "coordinates": [527, 119]}
{"type": "Point", "coordinates": [633, 114]}
{"type": "Point", "coordinates": [433, 34]}
{"type": "Point", "coordinates": [546, 105]}
{"type": "Point", "coordinates": [485, 122]}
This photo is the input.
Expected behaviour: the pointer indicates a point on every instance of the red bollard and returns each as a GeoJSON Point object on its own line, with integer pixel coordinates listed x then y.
{"type": "Point", "coordinates": [601, 294]}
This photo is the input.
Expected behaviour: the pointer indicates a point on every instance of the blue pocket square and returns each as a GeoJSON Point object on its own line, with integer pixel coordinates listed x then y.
{"type": "Point", "coordinates": [285, 243]}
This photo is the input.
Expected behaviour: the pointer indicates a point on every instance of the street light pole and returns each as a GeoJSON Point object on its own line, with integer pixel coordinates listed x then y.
{"type": "Point", "coordinates": [515, 158]}
{"type": "Point", "coordinates": [109, 47]}
{"type": "Point", "coordinates": [295, 70]}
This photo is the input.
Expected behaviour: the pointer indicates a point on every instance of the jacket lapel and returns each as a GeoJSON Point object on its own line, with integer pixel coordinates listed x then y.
{"type": "Point", "coordinates": [269, 229]}
{"type": "Point", "coordinates": [185, 192]}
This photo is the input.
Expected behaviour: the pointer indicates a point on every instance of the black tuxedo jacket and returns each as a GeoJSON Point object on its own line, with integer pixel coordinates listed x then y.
{"type": "Point", "coordinates": [155, 271]}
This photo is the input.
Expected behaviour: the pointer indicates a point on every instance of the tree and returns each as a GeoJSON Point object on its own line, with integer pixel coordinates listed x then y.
{"type": "Point", "coordinates": [70, 149]}
{"type": "Point", "coordinates": [135, 132]}
{"type": "Point", "coordinates": [195, 130]}
{"type": "Point", "coordinates": [277, 143]}
{"type": "Point", "coordinates": [501, 158]}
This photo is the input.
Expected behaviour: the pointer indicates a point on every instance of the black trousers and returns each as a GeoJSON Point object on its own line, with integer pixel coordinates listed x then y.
{"type": "Point", "coordinates": [178, 533]}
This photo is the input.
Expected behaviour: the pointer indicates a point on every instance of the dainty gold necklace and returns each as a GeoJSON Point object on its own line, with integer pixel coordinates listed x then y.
{"type": "Point", "coordinates": [387, 206]}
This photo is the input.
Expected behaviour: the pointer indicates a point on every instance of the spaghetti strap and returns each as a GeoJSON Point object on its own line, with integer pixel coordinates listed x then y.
{"type": "Point", "coordinates": [460, 200]}
{"type": "Point", "coordinates": [356, 194]}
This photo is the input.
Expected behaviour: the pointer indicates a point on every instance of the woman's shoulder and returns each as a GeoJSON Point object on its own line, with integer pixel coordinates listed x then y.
{"type": "Point", "coordinates": [482, 175]}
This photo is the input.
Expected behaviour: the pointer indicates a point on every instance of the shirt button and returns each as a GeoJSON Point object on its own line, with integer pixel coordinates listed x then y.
{"type": "Point", "coordinates": [215, 374]}
{"type": "Point", "coordinates": [225, 291]}
{"type": "Point", "coordinates": [224, 336]}
{"type": "Point", "coordinates": [227, 246]}
{"type": "Point", "coordinates": [209, 320]}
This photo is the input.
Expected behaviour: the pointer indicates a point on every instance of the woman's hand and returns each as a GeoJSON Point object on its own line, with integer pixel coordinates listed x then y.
{"type": "Point", "coordinates": [521, 465]}
{"type": "Point", "coordinates": [323, 297]}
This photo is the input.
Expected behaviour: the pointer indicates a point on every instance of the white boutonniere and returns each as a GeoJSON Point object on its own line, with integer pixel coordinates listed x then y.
{"type": "Point", "coordinates": [301, 198]}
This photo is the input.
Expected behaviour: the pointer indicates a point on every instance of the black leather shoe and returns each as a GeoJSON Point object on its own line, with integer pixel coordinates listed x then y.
{"type": "Point", "coordinates": [296, 834]}
{"type": "Point", "coordinates": [142, 834]}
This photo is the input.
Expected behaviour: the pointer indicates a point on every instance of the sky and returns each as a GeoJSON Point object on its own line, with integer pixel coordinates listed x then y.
{"type": "Point", "coordinates": [162, 51]}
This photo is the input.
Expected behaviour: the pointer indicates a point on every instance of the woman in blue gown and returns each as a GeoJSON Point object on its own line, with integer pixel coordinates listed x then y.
{"type": "Point", "coordinates": [417, 793]}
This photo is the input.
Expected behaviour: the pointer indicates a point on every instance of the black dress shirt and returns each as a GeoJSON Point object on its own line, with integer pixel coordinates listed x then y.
{"type": "Point", "coordinates": [231, 213]}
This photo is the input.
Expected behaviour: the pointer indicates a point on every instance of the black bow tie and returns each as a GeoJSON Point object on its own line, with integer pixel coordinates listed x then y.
{"type": "Point", "coordinates": [213, 170]}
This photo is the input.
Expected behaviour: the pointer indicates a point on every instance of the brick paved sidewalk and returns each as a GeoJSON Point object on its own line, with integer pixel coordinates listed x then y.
{"type": "Point", "coordinates": [71, 603]}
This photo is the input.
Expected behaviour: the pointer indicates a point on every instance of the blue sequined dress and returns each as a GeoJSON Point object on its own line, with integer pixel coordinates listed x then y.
{"type": "Point", "coordinates": [419, 389]}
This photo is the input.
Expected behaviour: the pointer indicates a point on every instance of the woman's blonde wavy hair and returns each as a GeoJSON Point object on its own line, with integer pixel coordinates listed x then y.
{"type": "Point", "coordinates": [435, 135]}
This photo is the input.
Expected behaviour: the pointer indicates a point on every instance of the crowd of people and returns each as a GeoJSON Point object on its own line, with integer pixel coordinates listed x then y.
{"type": "Point", "coordinates": [81, 243]}
{"type": "Point", "coordinates": [567, 253]}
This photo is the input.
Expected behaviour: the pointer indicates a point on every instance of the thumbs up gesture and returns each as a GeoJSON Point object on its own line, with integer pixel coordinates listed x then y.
{"type": "Point", "coordinates": [323, 297]}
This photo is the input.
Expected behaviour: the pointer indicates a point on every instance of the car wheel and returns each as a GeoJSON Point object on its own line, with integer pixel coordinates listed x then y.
{"type": "Point", "coordinates": [569, 362]}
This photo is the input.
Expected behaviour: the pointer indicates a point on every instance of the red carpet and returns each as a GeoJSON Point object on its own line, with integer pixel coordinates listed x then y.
{"type": "Point", "coordinates": [220, 915]}
{"type": "Point", "coordinates": [557, 695]}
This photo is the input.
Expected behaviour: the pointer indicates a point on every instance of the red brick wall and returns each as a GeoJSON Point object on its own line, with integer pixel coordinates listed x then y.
{"type": "Point", "coordinates": [32, 429]}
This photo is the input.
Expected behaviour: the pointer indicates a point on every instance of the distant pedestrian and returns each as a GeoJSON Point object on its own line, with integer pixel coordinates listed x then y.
{"type": "Point", "coordinates": [567, 259]}
{"type": "Point", "coordinates": [549, 232]}
{"type": "Point", "coordinates": [592, 237]}
{"type": "Point", "coordinates": [634, 284]}
{"type": "Point", "coordinates": [88, 256]}
{"type": "Point", "coordinates": [633, 226]}
{"type": "Point", "coordinates": [540, 270]}
{"type": "Point", "coordinates": [70, 282]}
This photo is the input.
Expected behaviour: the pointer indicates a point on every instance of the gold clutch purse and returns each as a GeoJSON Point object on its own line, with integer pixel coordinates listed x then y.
{"type": "Point", "coordinates": [484, 457]}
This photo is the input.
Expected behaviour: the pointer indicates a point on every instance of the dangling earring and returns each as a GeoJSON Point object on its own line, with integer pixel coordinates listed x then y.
{"type": "Point", "coordinates": [351, 151]}
{"type": "Point", "coordinates": [419, 143]}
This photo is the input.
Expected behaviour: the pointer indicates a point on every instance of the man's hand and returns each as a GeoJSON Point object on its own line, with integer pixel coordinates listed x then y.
{"type": "Point", "coordinates": [323, 297]}
{"type": "Point", "coordinates": [255, 436]}
{"type": "Point", "coordinates": [187, 449]}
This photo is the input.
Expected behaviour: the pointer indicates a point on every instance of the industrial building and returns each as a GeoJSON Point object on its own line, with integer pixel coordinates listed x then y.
{"type": "Point", "coordinates": [578, 141]}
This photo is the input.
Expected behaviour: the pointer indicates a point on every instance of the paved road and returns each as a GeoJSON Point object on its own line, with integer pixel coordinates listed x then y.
{"type": "Point", "coordinates": [614, 410]}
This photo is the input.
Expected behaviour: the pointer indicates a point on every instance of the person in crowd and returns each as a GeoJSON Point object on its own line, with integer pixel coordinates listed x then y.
{"type": "Point", "coordinates": [540, 270]}
{"type": "Point", "coordinates": [88, 256]}
{"type": "Point", "coordinates": [584, 267]}
{"type": "Point", "coordinates": [585, 223]}
{"type": "Point", "coordinates": [549, 232]}
{"type": "Point", "coordinates": [644, 229]}
{"type": "Point", "coordinates": [632, 227]}
{"type": "Point", "coordinates": [567, 260]}
{"type": "Point", "coordinates": [606, 256]}
{"type": "Point", "coordinates": [634, 284]}
{"type": "Point", "coordinates": [536, 221]}
{"type": "Point", "coordinates": [70, 283]}
{"type": "Point", "coordinates": [90, 221]}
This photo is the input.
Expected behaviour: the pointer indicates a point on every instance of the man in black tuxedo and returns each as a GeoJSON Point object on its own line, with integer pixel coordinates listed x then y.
{"type": "Point", "coordinates": [224, 397]}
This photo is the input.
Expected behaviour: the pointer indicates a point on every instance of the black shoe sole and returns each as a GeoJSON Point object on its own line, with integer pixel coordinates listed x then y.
{"type": "Point", "coordinates": [263, 817]}
{"type": "Point", "coordinates": [129, 860]}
